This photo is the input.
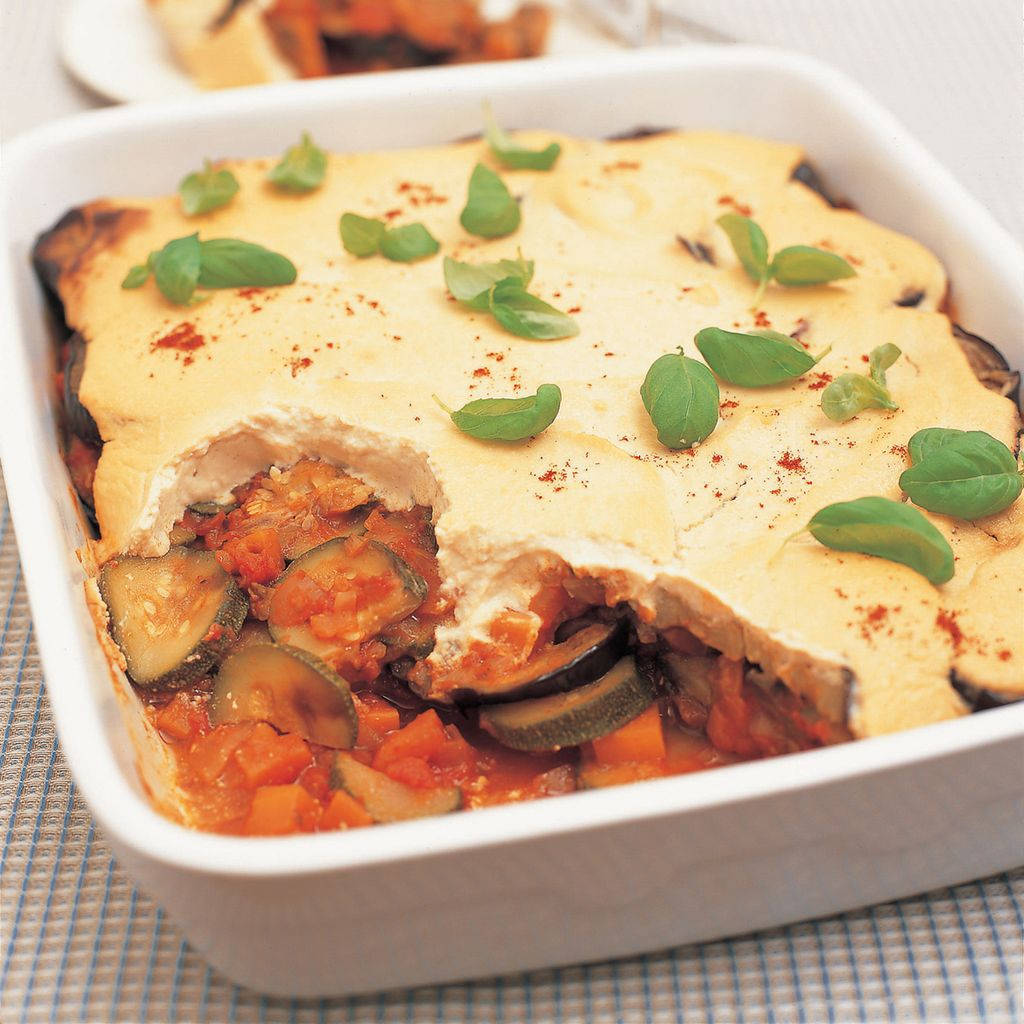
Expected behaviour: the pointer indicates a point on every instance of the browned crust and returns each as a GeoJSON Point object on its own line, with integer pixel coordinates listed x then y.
{"type": "Point", "coordinates": [67, 247]}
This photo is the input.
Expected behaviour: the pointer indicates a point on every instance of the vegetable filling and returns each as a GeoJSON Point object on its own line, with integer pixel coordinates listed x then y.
{"type": "Point", "coordinates": [291, 676]}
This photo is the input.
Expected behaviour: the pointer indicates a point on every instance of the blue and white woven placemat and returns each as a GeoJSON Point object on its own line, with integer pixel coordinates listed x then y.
{"type": "Point", "coordinates": [78, 942]}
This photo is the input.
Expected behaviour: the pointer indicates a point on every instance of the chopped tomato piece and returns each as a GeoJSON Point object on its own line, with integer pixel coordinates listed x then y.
{"type": "Point", "coordinates": [180, 718]}
{"type": "Point", "coordinates": [456, 758]}
{"type": "Point", "coordinates": [296, 599]}
{"type": "Point", "coordinates": [729, 718]}
{"type": "Point", "coordinates": [344, 810]}
{"type": "Point", "coordinates": [376, 714]}
{"type": "Point", "coordinates": [639, 740]}
{"type": "Point", "coordinates": [268, 758]}
{"type": "Point", "coordinates": [209, 755]}
{"type": "Point", "coordinates": [423, 737]}
{"type": "Point", "coordinates": [279, 810]}
{"type": "Point", "coordinates": [413, 771]}
{"type": "Point", "coordinates": [256, 557]}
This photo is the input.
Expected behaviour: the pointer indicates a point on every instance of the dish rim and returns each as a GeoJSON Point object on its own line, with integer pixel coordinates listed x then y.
{"type": "Point", "coordinates": [121, 809]}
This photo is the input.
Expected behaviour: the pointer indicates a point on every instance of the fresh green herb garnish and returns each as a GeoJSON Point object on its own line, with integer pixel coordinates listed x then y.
{"type": "Point", "coordinates": [966, 474]}
{"type": "Point", "coordinates": [682, 398]}
{"type": "Point", "coordinates": [851, 393]}
{"type": "Point", "coordinates": [205, 190]}
{"type": "Point", "coordinates": [408, 243]}
{"type": "Point", "coordinates": [470, 283]}
{"type": "Point", "coordinates": [185, 263]}
{"type": "Point", "coordinates": [511, 154]}
{"type": "Point", "coordinates": [507, 419]}
{"type": "Point", "coordinates": [301, 169]}
{"type": "Point", "coordinates": [524, 314]}
{"type": "Point", "coordinates": [795, 266]}
{"type": "Point", "coordinates": [232, 263]}
{"type": "Point", "coordinates": [886, 529]}
{"type": "Point", "coordinates": [366, 236]}
{"type": "Point", "coordinates": [361, 236]}
{"type": "Point", "coordinates": [176, 269]}
{"type": "Point", "coordinates": [755, 360]}
{"type": "Point", "coordinates": [490, 210]}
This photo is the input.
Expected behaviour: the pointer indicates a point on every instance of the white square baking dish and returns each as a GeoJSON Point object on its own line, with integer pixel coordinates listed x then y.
{"type": "Point", "coordinates": [592, 875]}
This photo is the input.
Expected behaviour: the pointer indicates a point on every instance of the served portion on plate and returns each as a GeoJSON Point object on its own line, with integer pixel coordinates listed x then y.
{"type": "Point", "coordinates": [447, 477]}
{"type": "Point", "coordinates": [224, 43]}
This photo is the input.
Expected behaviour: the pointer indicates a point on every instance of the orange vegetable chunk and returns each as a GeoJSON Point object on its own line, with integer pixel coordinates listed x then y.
{"type": "Point", "coordinates": [267, 758]}
{"type": "Point", "coordinates": [639, 740]}
{"type": "Point", "coordinates": [423, 737]}
{"type": "Point", "coordinates": [280, 810]}
{"type": "Point", "coordinates": [344, 811]}
{"type": "Point", "coordinates": [209, 755]}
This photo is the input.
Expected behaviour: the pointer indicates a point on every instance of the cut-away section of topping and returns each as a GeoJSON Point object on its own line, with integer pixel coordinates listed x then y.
{"type": "Point", "coordinates": [291, 689]}
{"type": "Point", "coordinates": [173, 617]}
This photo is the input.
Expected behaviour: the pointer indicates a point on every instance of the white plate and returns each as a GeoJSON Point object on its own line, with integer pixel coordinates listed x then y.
{"type": "Point", "coordinates": [116, 48]}
{"type": "Point", "coordinates": [591, 875]}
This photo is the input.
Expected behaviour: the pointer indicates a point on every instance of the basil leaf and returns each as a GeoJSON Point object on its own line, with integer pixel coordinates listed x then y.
{"type": "Point", "coordinates": [176, 269]}
{"type": "Point", "coordinates": [302, 168]}
{"type": "Point", "coordinates": [232, 263]}
{"type": "Point", "coordinates": [886, 529]}
{"type": "Point", "coordinates": [754, 360]}
{"type": "Point", "coordinates": [749, 243]}
{"type": "Point", "coordinates": [408, 243]}
{"type": "Point", "coordinates": [490, 210]}
{"type": "Point", "coordinates": [136, 277]}
{"type": "Point", "coordinates": [470, 282]}
{"type": "Point", "coordinates": [682, 399]}
{"type": "Point", "coordinates": [508, 419]}
{"type": "Point", "coordinates": [801, 265]}
{"type": "Point", "coordinates": [851, 393]}
{"type": "Point", "coordinates": [880, 359]}
{"type": "Point", "coordinates": [205, 190]}
{"type": "Point", "coordinates": [524, 314]}
{"type": "Point", "coordinates": [930, 439]}
{"type": "Point", "coordinates": [361, 236]}
{"type": "Point", "coordinates": [511, 154]}
{"type": "Point", "coordinates": [969, 476]}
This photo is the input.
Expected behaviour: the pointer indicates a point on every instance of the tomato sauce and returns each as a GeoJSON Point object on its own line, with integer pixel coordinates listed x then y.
{"type": "Point", "coordinates": [246, 778]}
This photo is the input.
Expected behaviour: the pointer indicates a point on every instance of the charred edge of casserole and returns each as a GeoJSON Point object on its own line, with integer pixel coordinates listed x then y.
{"type": "Point", "coordinates": [64, 249]}
{"type": "Point", "coordinates": [980, 698]}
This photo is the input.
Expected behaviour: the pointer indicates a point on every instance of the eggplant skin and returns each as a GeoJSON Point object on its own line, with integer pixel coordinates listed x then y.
{"type": "Point", "coordinates": [989, 365]}
{"type": "Point", "coordinates": [642, 131]}
{"type": "Point", "coordinates": [910, 299]}
{"type": "Point", "coordinates": [698, 250]}
{"type": "Point", "coordinates": [979, 698]}
{"type": "Point", "coordinates": [807, 174]}
{"type": "Point", "coordinates": [79, 419]}
{"type": "Point", "coordinates": [588, 658]}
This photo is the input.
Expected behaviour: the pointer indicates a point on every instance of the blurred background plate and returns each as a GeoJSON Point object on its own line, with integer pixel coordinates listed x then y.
{"type": "Point", "coordinates": [115, 47]}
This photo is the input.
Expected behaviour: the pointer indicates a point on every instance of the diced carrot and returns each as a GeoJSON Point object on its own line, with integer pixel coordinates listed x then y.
{"type": "Point", "coordinates": [639, 740]}
{"type": "Point", "coordinates": [456, 758]}
{"type": "Point", "coordinates": [180, 718]}
{"type": "Point", "coordinates": [344, 810]}
{"type": "Point", "coordinates": [279, 810]}
{"type": "Point", "coordinates": [601, 775]}
{"type": "Point", "coordinates": [516, 631]}
{"type": "Point", "coordinates": [316, 779]}
{"type": "Point", "coordinates": [413, 771]}
{"type": "Point", "coordinates": [423, 737]}
{"type": "Point", "coordinates": [267, 758]}
{"type": "Point", "coordinates": [208, 756]}
{"type": "Point", "coordinates": [376, 714]}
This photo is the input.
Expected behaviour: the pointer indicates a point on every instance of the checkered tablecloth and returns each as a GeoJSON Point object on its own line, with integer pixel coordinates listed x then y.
{"type": "Point", "coordinates": [79, 942]}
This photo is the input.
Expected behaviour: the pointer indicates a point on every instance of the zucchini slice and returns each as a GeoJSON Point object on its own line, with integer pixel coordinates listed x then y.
{"type": "Point", "coordinates": [585, 656]}
{"type": "Point", "coordinates": [174, 617]}
{"type": "Point", "coordinates": [291, 689]}
{"type": "Point", "coordinates": [330, 562]}
{"type": "Point", "coordinates": [387, 799]}
{"type": "Point", "coordinates": [568, 719]}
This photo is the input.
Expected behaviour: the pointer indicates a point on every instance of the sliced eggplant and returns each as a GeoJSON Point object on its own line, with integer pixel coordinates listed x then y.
{"type": "Point", "coordinates": [174, 617]}
{"type": "Point", "coordinates": [989, 365]}
{"type": "Point", "coordinates": [690, 674]}
{"type": "Point", "coordinates": [79, 418]}
{"type": "Point", "coordinates": [291, 689]}
{"type": "Point", "coordinates": [585, 656]}
{"type": "Point", "coordinates": [568, 719]}
{"type": "Point", "coordinates": [698, 250]}
{"type": "Point", "coordinates": [978, 697]}
{"type": "Point", "coordinates": [180, 535]}
{"type": "Point", "coordinates": [807, 174]}
{"type": "Point", "coordinates": [326, 565]}
{"type": "Point", "coordinates": [386, 799]}
{"type": "Point", "coordinates": [910, 298]}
